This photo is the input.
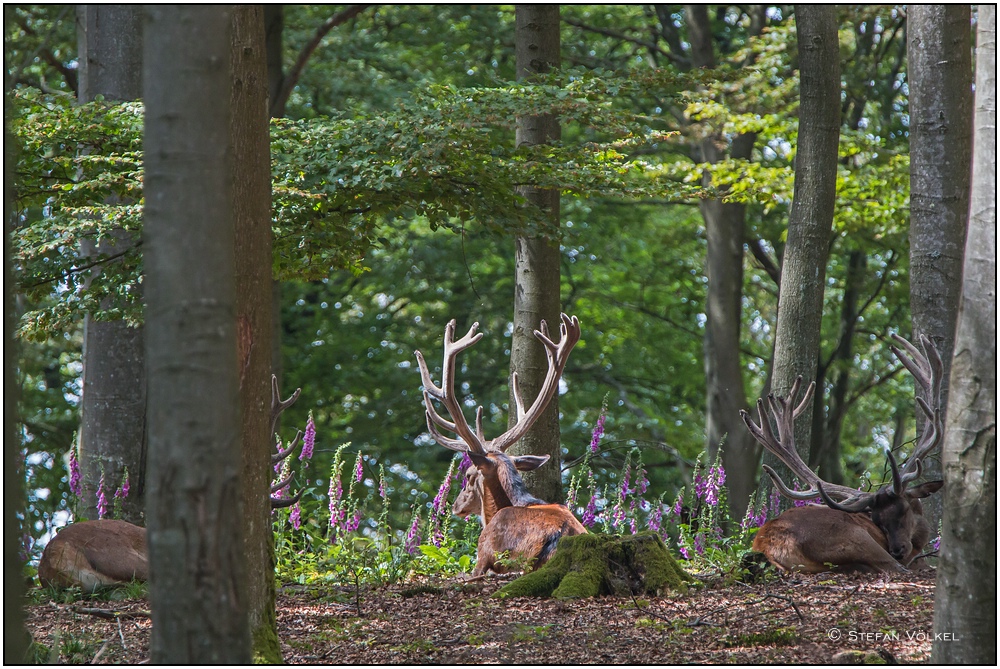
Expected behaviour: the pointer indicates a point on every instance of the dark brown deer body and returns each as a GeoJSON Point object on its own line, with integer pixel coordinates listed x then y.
{"type": "Point", "coordinates": [515, 522]}
{"type": "Point", "coordinates": [95, 554]}
{"type": "Point", "coordinates": [884, 531]}
{"type": "Point", "coordinates": [101, 553]}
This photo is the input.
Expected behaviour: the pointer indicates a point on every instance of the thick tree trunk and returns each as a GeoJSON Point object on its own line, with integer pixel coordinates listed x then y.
{"type": "Point", "coordinates": [254, 316]}
{"type": "Point", "coordinates": [803, 271]}
{"type": "Point", "coordinates": [536, 273]}
{"type": "Point", "coordinates": [965, 604]}
{"type": "Point", "coordinates": [197, 560]}
{"type": "Point", "coordinates": [939, 75]}
{"type": "Point", "coordinates": [113, 402]}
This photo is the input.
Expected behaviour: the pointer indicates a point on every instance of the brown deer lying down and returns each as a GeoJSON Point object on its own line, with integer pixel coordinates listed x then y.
{"type": "Point", "coordinates": [514, 521]}
{"type": "Point", "coordinates": [884, 531]}
{"type": "Point", "coordinates": [101, 553]}
{"type": "Point", "coordinates": [95, 554]}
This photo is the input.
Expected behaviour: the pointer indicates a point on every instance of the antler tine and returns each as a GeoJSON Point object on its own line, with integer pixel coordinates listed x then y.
{"type": "Point", "coordinates": [445, 394]}
{"type": "Point", "coordinates": [282, 454]}
{"type": "Point", "coordinates": [785, 410]}
{"type": "Point", "coordinates": [927, 370]}
{"type": "Point", "coordinates": [557, 354]}
{"type": "Point", "coordinates": [516, 392]}
{"type": "Point", "coordinates": [278, 405]}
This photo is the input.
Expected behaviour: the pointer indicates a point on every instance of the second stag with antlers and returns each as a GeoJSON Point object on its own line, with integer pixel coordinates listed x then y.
{"type": "Point", "coordinates": [514, 521]}
{"type": "Point", "coordinates": [882, 531]}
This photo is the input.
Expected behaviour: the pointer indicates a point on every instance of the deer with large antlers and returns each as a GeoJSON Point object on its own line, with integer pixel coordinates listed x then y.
{"type": "Point", "coordinates": [99, 553]}
{"type": "Point", "coordinates": [881, 531]}
{"type": "Point", "coordinates": [514, 521]}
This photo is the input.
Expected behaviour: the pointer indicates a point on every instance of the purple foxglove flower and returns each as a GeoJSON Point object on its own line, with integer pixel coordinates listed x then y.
{"type": "Point", "coordinates": [643, 483]}
{"type": "Point", "coordinates": [589, 513]}
{"type": "Point", "coordinates": [656, 518]}
{"type": "Point", "coordinates": [358, 471]}
{"type": "Point", "coordinates": [295, 516]}
{"type": "Point", "coordinates": [309, 440]}
{"type": "Point", "coordinates": [699, 543]}
{"type": "Point", "coordinates": [684, 552]}
{"type": "Point", "coordinates": [936, 544]}
{"type": "Point", "coordinates": [102, 501]}
{"type": "Point", "coordinates": [595, 439]}
{"type": "Point", "coordinates": [678, 504]}
{"type": "Point", "coordinates": [74, 474]}
{"type": "Point", "coordinates": [413, 535]}
{"type": "Point", "coordinates": [381, 487]}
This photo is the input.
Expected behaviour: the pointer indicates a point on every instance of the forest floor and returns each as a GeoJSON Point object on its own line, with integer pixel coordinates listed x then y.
{"type": "Point", "coordinates": [795, 619]}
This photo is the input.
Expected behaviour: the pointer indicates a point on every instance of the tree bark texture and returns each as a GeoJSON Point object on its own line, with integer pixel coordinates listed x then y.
{"type": "Point", "coordinates": [274, 29]}
{"type": "Point", "coordinates": [254, 316]}
{"type": "Point", "coordinates": [965, 604]}
{"type": "Point", "coordinates": [810, 221]}
{"type": "Point", "coordinates": [939, 75]}
{"type": "Point", "coordinates": [197, 560]}
{"type": "Point", "coordinates": [113, 402]}
{"type": "Point", "coordinates": [724, 234]}
{"type": "Point", "coordinates": [15, 636]}
{"type": "Point", "coordinates": [536, 278]}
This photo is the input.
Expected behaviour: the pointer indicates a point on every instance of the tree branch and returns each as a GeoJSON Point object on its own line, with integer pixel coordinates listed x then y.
{"type": "Point", "coordinates": [292, 78]}
{"type": "Point", "coordinates": [614, 34]}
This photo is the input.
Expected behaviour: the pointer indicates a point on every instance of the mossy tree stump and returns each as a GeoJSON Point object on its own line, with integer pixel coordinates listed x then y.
{"type": "Point", "coordinates": [588, 565]}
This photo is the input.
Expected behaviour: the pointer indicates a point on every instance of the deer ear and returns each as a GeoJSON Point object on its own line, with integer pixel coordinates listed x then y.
{"type": "Point", "coordinates": [924, 489]}
{"type": "Point", "coordinates": [525, 463]}
{"type": "Point", "coordinates": [480, 460]}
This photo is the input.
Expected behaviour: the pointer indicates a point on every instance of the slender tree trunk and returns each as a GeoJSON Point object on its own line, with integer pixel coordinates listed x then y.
{"type": "Point", "coordinates": [274, 28]}
{"type": "Point", "coordinates": [825, 454]}
{"type": "Point", "coordinates": [113, 402]}
{"type": "Point", "coordinates": [965, 604]}
{"type": "Point", "coordinates": [197, 561]}
{"type": "Point", "coordinates": [803, 271]}
{"type": "Point", "coordinates": [15, 636]}
{"type": "Point", "coordinates": [536, 273]}
{"type": "Point", "coordinates": [254, 316]}
{"type": "Point", "coordinates": [724, 233]}
{"type": "Point", "coordinates": [939, 75]}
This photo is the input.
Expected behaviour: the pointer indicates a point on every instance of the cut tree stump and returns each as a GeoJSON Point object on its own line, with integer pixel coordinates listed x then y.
{"type": "Point", "coordinates": [588, 565]}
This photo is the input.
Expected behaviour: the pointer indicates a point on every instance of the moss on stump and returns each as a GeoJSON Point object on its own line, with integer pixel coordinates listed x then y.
{"type": "Point", "coordinates": [588, 565]}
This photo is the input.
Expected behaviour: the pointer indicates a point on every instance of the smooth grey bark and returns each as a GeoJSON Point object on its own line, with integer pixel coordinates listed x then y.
{"type": "Point", "coordinates": [254, 316]}
{"type": "Point", "coordinates": [810, 221]}
{"type": "Point", "coordinates": [965, 603]}
{"type": "Point", "coordinates": [939, 76]}
{"type": "Point", "coordinates": [113, 400]}
{"type": "Point", "coordinates": [195, 510]}
{"type": "Point", "coordinates": [724, 234]}
{"type": "Point", "coordinates": [536, 272]}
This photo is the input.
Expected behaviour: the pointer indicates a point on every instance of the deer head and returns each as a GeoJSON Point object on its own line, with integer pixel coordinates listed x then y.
{"type": "Point", "coordinates": [895, 508]}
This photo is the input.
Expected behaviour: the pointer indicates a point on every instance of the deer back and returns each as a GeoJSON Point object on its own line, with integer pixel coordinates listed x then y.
{"type": "Point", "coordinates": [525, 533]}
{"type": "Point", "coordinates": [93, 554]}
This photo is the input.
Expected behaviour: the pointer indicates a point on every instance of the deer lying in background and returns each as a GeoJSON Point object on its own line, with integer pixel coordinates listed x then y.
{"type": "Point", "coordinates": [100, 553]}
{"type": "Point", "coordinates": [884, 531]}
{"type": "Point", "coordinates": [514, 521]}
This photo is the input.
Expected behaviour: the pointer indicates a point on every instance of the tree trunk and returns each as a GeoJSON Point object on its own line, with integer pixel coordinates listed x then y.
{"type": "Point", "coordinates": [724, 233]}
{"type": "Point", "coordinates": [825, 453]}
{"type": "Point", "coordinates": [254, 316]}
{"type": "Point", "coordinates": [113, 400]}
{"type": "Point", "coordinates": [536, 273]}
{"type": "Point", "coordinates": [15, 637]}
{"type": "Point", "coordinates": [274, 28]}
{"type": "Point", "coordinates": [939, 75]}
{"type": "Point", "coordinates": [965, 605]}
{"type": "Point", "coordinates": [197, 561]}
{"type": "Point", "coordinates": [803, 271]}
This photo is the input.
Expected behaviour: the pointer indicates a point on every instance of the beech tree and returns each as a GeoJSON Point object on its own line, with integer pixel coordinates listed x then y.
{"type": "Point", "coordinates": [965, 602]}
{"type": "Point", "coordinates": [939, 75]}
{"type": "Point", "coordinates": [536, 270]}
{"type": "Point", "coordinates": [810, 221]}
{"type": "Point", "coordinates": [113, 402]}
{"type": "Point", "coordinates": [198, 587]}
{"type": "Point", "coordinates": [251, 184]}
